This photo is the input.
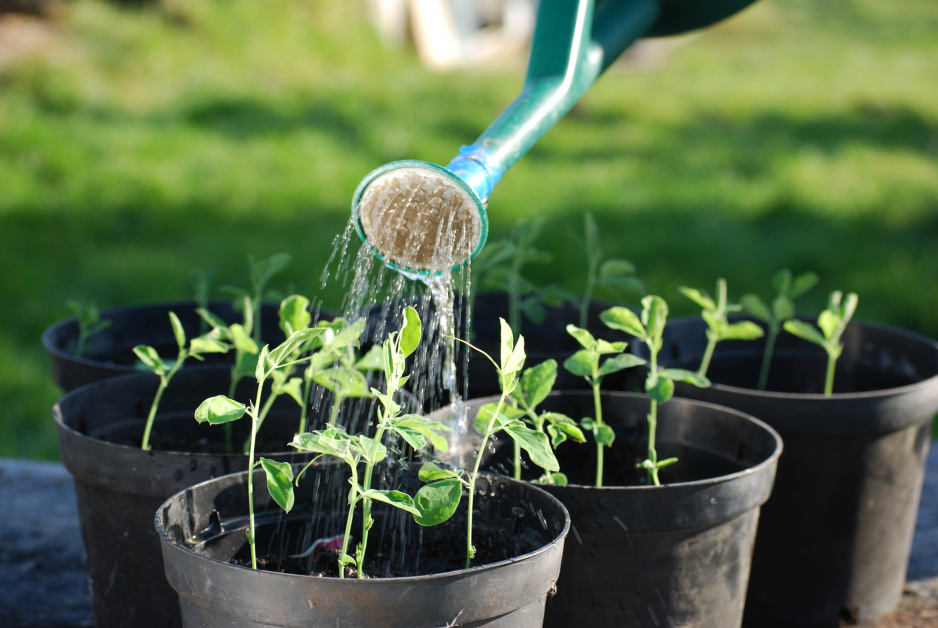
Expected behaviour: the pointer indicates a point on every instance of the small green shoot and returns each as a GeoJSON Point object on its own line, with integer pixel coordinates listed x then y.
{"type": "Point", "coordinates": [210, 342]}
{"type": "Point", "coordinates": [89, 324]}
{"type": "Point", "coordinates": [415, 429]}
{"type": "Point", "coordinates": [533, 388]}
{"type": "Point", "coordinates": [260, 273]}
{"type": "Point", "coordinates": [613, 275]}
{"type": "Point", "coordinates": [444, 489]}
{"type": "Point", "coordinates": [589, 362]}
{"type": "Point", "coordinates": [832, 323]}
{"type": "Point", "coordinates": [787, 289]}
{"type": "Point", "coordinates": [220, 410]}
{"type": "Point", "coordinates": [718, 326]}
{"type": "Point", "coordinates": [659, 384]}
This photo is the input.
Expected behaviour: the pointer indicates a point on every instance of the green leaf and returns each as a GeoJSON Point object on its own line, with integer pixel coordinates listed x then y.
{"type": "Point", "coordinates": [605, 435]}
{"type": "Point", "coordinates": [438, 501]}
{"type": "Point", "coordinates": [371, 361]}
{"type": "Point", "coordinates": [698, 297]}
{"type": "Point", "coordinates": [262, 271]}
{"type": "Point", "coordinates": [538, 381]}
{"type": "Point", "coordinates": [178, 331]}
{"type": "Point", "coordinates": [586, 339]}
{"type": "Point", "coordinates": [430, 472]}
{"type": "Point", "coordinates": [292, 387]}
{"type": "Point", "coordinates": [150, 358]}
{"type": "Point", "coordinates": [294, 314]}
{"type": "Point", "coordinates": [667, 462]}
{"type": "Point", "coordinates": [372, 451]}
{"type": "Point", "coordinates": [805, 331]}
{"type": "Point", "coordinates": [803, 283]}
{"type": "Point", "coordinates": [349, 382]}
{"type": "Point", "coordinates": [207, 343]}
{"type": "Point", "coordinates": [536, 444]}
{"type": "Point", "coordinates": [329, 442]}
{"type": "Point", "coordinates": [654, 315]}
{"type": "Point", "coordinates": [425, 427]}
{"type": "Point", "coordinates": [394, 498]}
{"type": "Point", "coordinates": [604, 347]}
{"type": "Point", "coordinates": [219, 409]}
{"type": "Point", "coordinates": [613, 269]}
{"type": "Point", "coordinates": [296, 340]}
{"type": "Point", "coordinates": [783, 308]}
{"type": "Point", "coordinates": [828, 322]}
{"type": "Point", "coordinates": [564, 424]}
{"type": "Point", "coordinates": [683, 375]}
{"type": "Point", "coordinates": [410, 332]}
{"type": "Point", "coordinates": [211, 319]}
{"type": "Point", "coordinates": [515, 360]}
{"type": "Point", "coordinates": [506, 342]}
{"type": "Point", "coordinates": [242, 340]}
{"type": "Point", "coordinates": [623, 319]}
{"type": "Point", "coordinates": [660, 389]}
{"type": "Point", "coordinates": [850, 307]}
{"type": "Point", "coordinates": [619, 362]}
{"type": "Point", "coordinates": [486, 413]}
{"type": "Point", "coordinates": [755, 306]}
{"type": "Point", "coordinates": [580, 363]}
{"type": "Point", "coordinates": [279, 482]}
{"type": "Point", "coordinates": [742, 330]}
{"type": "Point", "coordinates": [413, 438]}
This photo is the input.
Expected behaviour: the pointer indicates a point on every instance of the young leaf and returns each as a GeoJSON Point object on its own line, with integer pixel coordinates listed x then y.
{"type": "Point", "coordinates": [394, 498]}
{"type": "Point", "coordinates": [682, 375]}
{"type": "Point", "coordinates": [586, 339]}
{"type": "Point", "coordinates": [605, 435]}
{"type": "Point", "coordinates": [654, 315]}
{"type": "Point", "coordinates": [742, 330]}
{"type": "Point", "coordinates": [436, 502]}
{"type": "Point", "coordinates": [296, 340]}
{"type": "Point", "coordinates": [619, 362]}
{"type": "Point", "coordinates": [536, 444]}
{"type": "Point", "coordinates": [150, 358]}
{"type": "Point", "coordinates": [219, 409]}
{"type": "Point", "coordinates": [623, 319]}
{"type": "Point", "coordinates": [210, 318]}
{"type": "Point", "coordinates": [580, 363]}
{"type": "Point", "coordinates": [660, 389]}
{"type": "Point", "coordinates": [431, 472]}
{"type": "Point", "coordinates": [755, 306]}
{"type": "Point", "coordinates": [538, 381]}
{"type": "Point", "coordinates": [805, 331]}
{"type": "Point", "coordinates": [803, 283]}
{"type": "Point", "coordinates": [410, 332]}
{"type": "Point", "coordinates": [424, 427]}
{"type": "Point", "coordinates": [279, 482]}
{"type": "Point", "coordinates": [613, 269]}
{"type": "Point", "coordinates": [294, 314]}
{"type": "Point", "coordinates": [329, 442]}
{"type": "Point", "coordinates": [698, 297]}
{"type": "Point", "coordinates": [207, 343]}
{"type": "Point", "coordinates": [178, 331]}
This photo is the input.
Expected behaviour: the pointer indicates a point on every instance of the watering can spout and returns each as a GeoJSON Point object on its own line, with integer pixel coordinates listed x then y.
{"type": "Point", "coordinates": [425, 219]}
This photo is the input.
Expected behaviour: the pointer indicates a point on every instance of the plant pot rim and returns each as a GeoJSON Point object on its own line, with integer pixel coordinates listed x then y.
{"type": "Point", "coordinates": [836, 396]}
{"type": "Point", "coordinates": [371, 582]}
{"type": "Point", "coordinates": [59, 416]}
{"type": "Point", "coordinates": [770, 461]}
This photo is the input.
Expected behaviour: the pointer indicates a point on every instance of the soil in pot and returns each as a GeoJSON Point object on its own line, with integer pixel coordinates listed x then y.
{"type": "Point", "coordinates": [417, 576]}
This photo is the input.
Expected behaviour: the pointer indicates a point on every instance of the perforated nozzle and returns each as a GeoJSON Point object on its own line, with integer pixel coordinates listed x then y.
{"type": "Point", "coordinates": [419, 217]}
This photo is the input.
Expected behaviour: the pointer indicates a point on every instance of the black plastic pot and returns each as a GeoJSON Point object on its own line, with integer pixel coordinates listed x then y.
{"type": "Point", "coordinates": [671, 555]}
{"type": "Point", "coordinates": [110, 352]}
{"type": "Point", "coordinates": [835, 537]}
{"type": "Point", "coordinates": [203, 527]}
{"type": "Point", "coordinates": [119, 486]}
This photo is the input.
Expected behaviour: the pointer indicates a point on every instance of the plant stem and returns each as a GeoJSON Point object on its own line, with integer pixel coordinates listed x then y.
{"type": "Point", "coordinates": [470, 551]}
{"type": "Point", "coordinates": [165, 378]}
{"type": "Point", "coordinates": [254, 427]}
{"type": "Point", "coordinates": [352, 501]}
{"type": "Point", "coordinates": [652, 454]}
{"type": "Point", "coordinates": [591, 269]}
{"type": "Point", "coordinates": [708, 354]}
{"type": "Point", "coordinates": [829, 378]}
{"type": "Point", "coordinates": [767, 354]}
{"type": "Point", "coordinates": [517, 475]}
{"type": "Point", "coordinates": [366, 486]}
{"type": "Point", "coordinates": [598, 411]}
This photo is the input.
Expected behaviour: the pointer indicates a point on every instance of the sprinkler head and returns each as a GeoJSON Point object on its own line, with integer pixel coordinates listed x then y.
{"type": "Point", "coordinates": [419, 218]}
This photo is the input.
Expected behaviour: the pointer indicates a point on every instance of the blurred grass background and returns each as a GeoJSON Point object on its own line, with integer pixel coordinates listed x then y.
{"type": "Point", "coordinates": [141, 144]}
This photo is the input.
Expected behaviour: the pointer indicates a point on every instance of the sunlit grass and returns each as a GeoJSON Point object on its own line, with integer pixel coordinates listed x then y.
{"type": "Point", "coordinates": [150, 142]}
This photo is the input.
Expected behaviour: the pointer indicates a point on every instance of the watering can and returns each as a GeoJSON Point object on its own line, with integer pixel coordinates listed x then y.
{"type": "Point", "coordinates": [425, 219]}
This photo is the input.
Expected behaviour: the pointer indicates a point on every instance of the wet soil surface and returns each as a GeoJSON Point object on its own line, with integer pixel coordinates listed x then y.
{"type": "Point", "coordinates": [43, 583]}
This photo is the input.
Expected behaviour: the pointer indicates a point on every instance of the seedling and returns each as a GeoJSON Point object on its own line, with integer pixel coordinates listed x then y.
{"type": "Point", "coordinates": [442, 494]}
{"type": "Point", "coordinates": [718, 327]}
{"type": "Point", "coordinates": [832, 323]}
{"type": "Point", "coordinates": [589, 363]}
{"type": "Point", "coordinates": [220, 410]}
{"type": "Point", "coordinates": [89, 323]}
{"type": "Point", "coordinates": [659, 384]}
{"type": "Point", "coordinates": [260, 274]}
{"type": "Point", "coordinates": [533, 388]}
{"type": "Point", "coordinates": [210, 342]}
{"type": "Point", "coordinates": [613, 275]}
{"type": "Point", "coordinates": [416, 430]}
{"type": "Point", "coordinates": [787, 289]}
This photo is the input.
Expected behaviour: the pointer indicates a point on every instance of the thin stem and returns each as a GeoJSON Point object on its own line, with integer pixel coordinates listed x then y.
{"type": "Point", "coordinates": [767, 354]}
{"type": "Point", "coordinates": [304, 410]}
{"type": "Point", "coordinates": [600, 448]}
{"type": "Point", "coordinates": [352, 501]}
{"type": "Point", "coordinates": [708, 354]}
{"type": "Point", "coordinates": [652, 453]}
{"type": "Point", "coordinates": [470, 551]}
{"type": "Point", "coordinates": [366, 501]}
{"type": "Point", "coordinates": [165, 378]}
{"type": "Point", "coordinates": [254, 427]}
{"type": "Point", "coordinates": [829, 378]}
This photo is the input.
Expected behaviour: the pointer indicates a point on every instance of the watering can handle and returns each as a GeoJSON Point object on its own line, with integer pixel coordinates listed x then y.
{"type": "Point", "coordinates": [572, 45]}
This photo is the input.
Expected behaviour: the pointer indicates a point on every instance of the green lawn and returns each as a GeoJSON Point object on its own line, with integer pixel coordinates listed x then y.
{"type": "Point", "coordinates": [149, 143]}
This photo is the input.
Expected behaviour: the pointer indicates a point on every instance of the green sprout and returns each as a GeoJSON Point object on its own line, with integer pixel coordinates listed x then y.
{"type": "Point", "coordinates": [832, 323]}
{"type": "Point", "coordinates": [260, 273]}
{"type": "Point", "coordinates": [787, 289]}
{"type": "Point", "coordinates": [588, 362]}
{"type": "Point", "coordinates": [613, 275]}
{"type": "Point", "coordinates": [414, 429]}
{"type": "Point", "coordinates": [89, 323]}
{"type": "Point", "coordinates": [718, 326]}
{"type": "Point", "coordinates": [659, 383]}
{"type": "Point", "coordinates": [442, 493]}
{"type": "Point", "coordinates": [211, 342]}
{"type": "Point", "coordinates": [221, 410]}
